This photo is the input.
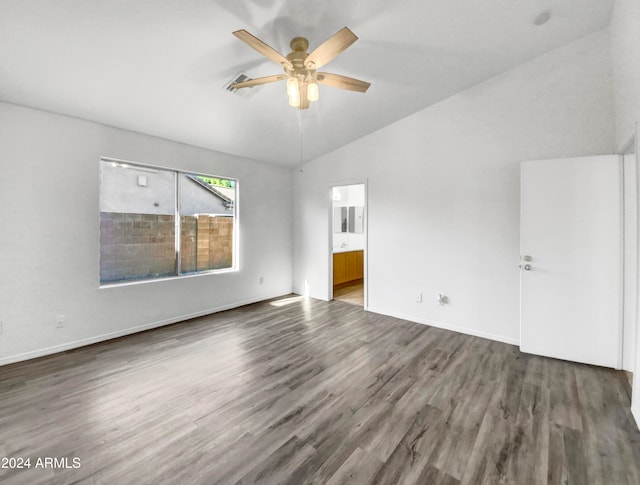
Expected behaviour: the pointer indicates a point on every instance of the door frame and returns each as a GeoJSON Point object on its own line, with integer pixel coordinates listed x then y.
{"type": "Point", "coordinates": [629, 303]}
{"type": "Point", "coordinates": [634, 142]}
{"type": "Point", "coordinates": [365, 217]}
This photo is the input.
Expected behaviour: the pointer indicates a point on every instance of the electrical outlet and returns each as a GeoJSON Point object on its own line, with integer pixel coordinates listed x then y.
{"type": "Point", "coordinates": [60, 321]}
{"type": "Point", "coordinates": [261, 280]}
{"type": "Point", "coordinates": [419, 297]}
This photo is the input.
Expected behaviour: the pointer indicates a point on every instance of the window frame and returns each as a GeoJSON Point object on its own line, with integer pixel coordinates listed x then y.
{"type": "Point", "coordinates": [235, 259]}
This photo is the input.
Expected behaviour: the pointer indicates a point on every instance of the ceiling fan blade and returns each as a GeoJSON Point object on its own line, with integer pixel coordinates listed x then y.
{"type": "Point", "coordinates": [330, 48]}
{"type": "Point", "coordinates": [262, 48]}
{"type": "Point", "coordinates": [342, 82]}
{"type": "Point", "coordinates": [259, 80]}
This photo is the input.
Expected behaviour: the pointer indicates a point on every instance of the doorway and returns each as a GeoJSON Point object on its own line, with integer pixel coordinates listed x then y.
{"type": "Point", "coordinates": [348, 244]}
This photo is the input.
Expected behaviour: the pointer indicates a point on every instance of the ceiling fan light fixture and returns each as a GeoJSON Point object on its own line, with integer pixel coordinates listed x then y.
{"type": "Point", "coordinates": [292, 86]}
{"type": "Point", "coordinates": [313, 93]}
{"type": "Point", "coordinates": [294, 99]}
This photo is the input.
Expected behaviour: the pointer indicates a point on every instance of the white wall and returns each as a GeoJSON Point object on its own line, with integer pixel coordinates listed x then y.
{"type": "Point", "coordinates": [625, 62]}
{"type": "Point", "coordinates": [449, 222]}
{"type": "Point", "coordinates": [49, 251]}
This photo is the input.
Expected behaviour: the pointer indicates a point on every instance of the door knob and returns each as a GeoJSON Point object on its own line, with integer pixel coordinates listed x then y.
{"type": "Point", "coordinates": [527, 258]}
{"type": "Point", "coordinates": [527, 267]}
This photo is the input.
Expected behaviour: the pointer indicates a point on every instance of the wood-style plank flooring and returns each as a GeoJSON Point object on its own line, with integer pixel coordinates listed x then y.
{"type": "Point", "coordinates": [353, 294]}
{"type": "Point", "coordinates": [303, 391]}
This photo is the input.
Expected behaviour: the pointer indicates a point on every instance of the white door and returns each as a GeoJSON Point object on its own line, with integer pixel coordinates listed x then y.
{"type": "Point", "coordinates": [570, 259]}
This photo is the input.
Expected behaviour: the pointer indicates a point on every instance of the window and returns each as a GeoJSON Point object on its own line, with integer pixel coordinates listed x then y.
{"type": "Point", "coordinates": [156, 222]}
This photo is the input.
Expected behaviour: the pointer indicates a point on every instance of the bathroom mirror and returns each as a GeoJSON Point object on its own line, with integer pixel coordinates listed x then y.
{"type": "Point", "coordinates": [348, 219]}
{"type": "Point", "coordinates": [351, 219]}
{"type": "Point", "coordinates": [340, 219]}
{"type": "Point", "coordinates": [358, 219]}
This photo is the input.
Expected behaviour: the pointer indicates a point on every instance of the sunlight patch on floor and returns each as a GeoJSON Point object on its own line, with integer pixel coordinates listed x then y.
{"type": "Point", "coordinates": [287, 301]}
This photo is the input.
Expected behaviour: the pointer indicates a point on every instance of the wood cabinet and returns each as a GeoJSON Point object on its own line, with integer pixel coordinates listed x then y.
{"type": "Point", "coordinates": [339, 268]}
{"type": "Point", "coordinates": [359, 264]}
{"type": "Point", "coordinates": [347, 267]}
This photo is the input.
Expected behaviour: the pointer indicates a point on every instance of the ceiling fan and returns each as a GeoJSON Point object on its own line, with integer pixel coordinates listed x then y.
{"type": "Point", "coordinates": [300, 67]}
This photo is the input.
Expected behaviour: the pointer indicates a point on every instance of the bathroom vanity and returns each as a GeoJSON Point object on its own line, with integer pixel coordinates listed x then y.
{"type": "Point", "coordinates": [348, 266]}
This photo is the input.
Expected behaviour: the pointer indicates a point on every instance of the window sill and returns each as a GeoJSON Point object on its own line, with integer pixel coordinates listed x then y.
{"type": "Point", "coordinates": [118, 284]}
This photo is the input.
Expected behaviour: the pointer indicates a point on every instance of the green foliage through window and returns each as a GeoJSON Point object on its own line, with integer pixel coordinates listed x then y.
{"type": "Point", "coordinates": [217, 181]}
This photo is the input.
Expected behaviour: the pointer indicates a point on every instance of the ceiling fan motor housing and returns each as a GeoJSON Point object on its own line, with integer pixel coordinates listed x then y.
{"type": "Point", "coordinates": [297, 56]}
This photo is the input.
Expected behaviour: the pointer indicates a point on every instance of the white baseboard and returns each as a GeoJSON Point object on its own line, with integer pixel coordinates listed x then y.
{"type": "Point", "coordinates": [446, 326]}
{"type": "Point", "coordinates": [123, 332]}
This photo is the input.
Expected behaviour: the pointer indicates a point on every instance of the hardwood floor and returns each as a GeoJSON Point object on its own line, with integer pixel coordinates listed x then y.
{"type": "Point", "coordinates": [353, 294]}
{"type": "Point", "coordinates": [303, 391]}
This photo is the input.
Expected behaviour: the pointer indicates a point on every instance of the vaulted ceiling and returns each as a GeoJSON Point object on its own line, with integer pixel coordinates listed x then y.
{"type": "Point", "coordinates": [160, 66]}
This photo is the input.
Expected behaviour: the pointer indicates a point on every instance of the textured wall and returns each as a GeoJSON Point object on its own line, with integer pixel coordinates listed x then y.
{"type": "Point", "coordinates": [135, 246]}
{"type": "Point", "coordinates": [625, 67]}
{"type": "Point", "coordinates": [138, 246]}
{"type": "Point", "coordinates": [215, 242]}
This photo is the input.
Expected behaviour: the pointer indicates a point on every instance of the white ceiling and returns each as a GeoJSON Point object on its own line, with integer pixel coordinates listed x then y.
{"type": "Point", "coordinates": [159, 66]}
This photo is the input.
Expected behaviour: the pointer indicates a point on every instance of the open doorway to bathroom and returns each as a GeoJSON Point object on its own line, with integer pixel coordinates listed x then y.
{"type": "Point", "coordinates": [348, 243]}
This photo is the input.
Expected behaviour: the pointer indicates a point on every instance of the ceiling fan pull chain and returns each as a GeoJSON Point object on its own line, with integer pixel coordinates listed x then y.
{"type": "Point", "coordinates": [300, 125]}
